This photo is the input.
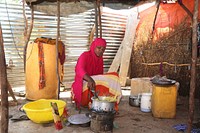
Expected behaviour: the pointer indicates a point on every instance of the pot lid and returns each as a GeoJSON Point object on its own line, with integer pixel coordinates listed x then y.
{"type": "Point", "coordinates": [79, 119]}
{"type": "Point", "coordinates": [162, 82]}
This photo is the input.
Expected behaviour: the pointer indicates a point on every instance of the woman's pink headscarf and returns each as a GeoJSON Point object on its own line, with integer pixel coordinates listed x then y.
{"type": "Point", "coordinates": [88, 63]}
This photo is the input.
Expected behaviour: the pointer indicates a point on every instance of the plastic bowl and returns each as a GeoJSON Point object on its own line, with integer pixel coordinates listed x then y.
{"type": "Point", "coordinates": [40, 111]}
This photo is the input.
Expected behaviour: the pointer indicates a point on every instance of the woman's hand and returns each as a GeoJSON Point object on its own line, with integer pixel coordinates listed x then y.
{"type": "Point", "coordinates": [91, 83]}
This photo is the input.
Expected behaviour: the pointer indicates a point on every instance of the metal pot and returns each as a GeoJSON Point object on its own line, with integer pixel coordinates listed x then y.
{"type": "Point", "coordinates": [102, 105]}
{"type": "Point", "coordinates": [134, 101]}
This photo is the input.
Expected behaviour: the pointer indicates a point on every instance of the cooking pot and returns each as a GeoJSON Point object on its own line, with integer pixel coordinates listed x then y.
{"type": "Point", "coordinates": [134, 101]}
{"type": "Point", "coordinates": [101, 104]}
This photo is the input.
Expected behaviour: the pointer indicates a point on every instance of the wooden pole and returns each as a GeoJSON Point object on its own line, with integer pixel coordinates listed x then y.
{"type": "Point", "coordinates": [96, 18]}
{"type": "Point", "coordinates": [185, 8]}
{"type": "Point", "coordinates": [158, 5]}
{"type": "Point", "coordinates": [99, 14]}
{"type": "Point", "coordinates": [193, 67]}
{"type": "Point", "coordinates": [25, 20]}
{"type": "Point", "coordinates": [3, 87]}
{"type": "Point", "coordinates": [57, 39]}
{"type": "Point", "coordinates": [27, 33]}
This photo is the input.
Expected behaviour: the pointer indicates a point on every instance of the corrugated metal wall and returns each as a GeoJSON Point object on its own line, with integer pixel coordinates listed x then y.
{"type": "Point", "coordinates": [74, 29]}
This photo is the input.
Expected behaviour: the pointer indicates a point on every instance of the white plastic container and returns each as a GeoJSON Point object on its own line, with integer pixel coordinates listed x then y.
{"type": "Point", "coordinates": [145, 105]}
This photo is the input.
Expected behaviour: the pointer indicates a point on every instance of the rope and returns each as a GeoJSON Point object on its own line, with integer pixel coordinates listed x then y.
{"type": "Point", "coordinates": [166, 63]}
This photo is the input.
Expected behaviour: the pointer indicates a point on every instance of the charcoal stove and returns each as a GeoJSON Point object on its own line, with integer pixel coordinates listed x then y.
{"type": "Point", "coordinates": [102, 121]}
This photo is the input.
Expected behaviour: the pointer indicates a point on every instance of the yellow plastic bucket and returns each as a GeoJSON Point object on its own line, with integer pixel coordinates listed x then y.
{"type": "Point", "coordinates": [163, 102]}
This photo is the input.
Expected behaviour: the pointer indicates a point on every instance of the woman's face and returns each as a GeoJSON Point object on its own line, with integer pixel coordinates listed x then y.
{"type": "Point", "coordinates": [99, 50]}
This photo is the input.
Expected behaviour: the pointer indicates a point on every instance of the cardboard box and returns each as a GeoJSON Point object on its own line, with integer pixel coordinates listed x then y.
{"type": "Point", "coordinates": [140, 85]}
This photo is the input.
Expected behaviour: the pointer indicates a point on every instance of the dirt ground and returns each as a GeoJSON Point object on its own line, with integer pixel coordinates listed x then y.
{"type": "Point", "coordinates": [129, 120]}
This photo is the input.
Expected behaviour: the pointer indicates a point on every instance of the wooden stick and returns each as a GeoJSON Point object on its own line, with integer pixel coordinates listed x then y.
{"type": "Point", "coordinates": [185, 8]}
{"type": "Point", "coordinates": [96, 20]}
{"type": "Point", "coordinates": [99, 20]}
{"type": "Point", "coordinates": [153, 27]}
{"type": "Point", "coordinates": [27, 37]}
{"type": "Point", "coordinates": [3, 87]}
{"type": "Point", "coordinates": [11, 92]}
{"type": "Point", "coordinates": [57, 38]}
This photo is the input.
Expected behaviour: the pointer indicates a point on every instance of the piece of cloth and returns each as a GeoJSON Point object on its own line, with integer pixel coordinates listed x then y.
{"type": "Point", "coordinates": [61, 55]}
{"type": "Point", "coordinates": [20, 118]}
{"type": "Point", "coordinates": [61, 47]}
{"type": "Point", "coordinates": [88, 63]}
{"type": "Point", "coordinates": [197, 130]}
{"type": "Point", "coordinates": [106, 85]}
{"type": "Point", "coordinates": [42, 82]}
{"type": "Point", "coordinates": [183, 128]}
{"type": "Point", "coordinates": [180, 127]}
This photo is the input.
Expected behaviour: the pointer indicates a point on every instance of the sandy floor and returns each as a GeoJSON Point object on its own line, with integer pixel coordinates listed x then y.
{"type": "Point", "coordinates": [129, 120]}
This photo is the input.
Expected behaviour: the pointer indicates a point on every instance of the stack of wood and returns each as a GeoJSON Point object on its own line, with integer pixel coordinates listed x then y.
{"type": "Point", "coordinates": [121, 61]}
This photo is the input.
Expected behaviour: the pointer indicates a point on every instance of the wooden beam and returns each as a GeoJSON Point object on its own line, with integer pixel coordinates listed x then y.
{"type": "Point", "coordinates": [114, 67]}
{"type": "Point", "coordinates": [116, 61]}
{"type": "Point", "coordinates": [127, 44]}
{"type": "Point", "coordinates": [194, 64]}
{"type": "Point", "coordinates": [3, 87]}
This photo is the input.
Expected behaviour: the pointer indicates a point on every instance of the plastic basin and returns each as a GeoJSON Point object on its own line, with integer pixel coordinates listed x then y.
{"type": "Point", "coordinates": [40, 111]}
